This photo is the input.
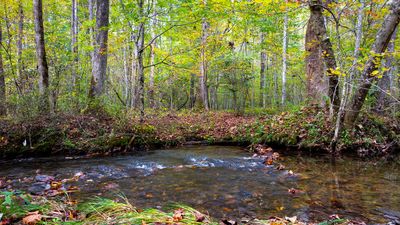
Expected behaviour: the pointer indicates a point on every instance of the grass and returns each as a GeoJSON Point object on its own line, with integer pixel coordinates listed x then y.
{"type": "Point", "coordinates": [15, 207]}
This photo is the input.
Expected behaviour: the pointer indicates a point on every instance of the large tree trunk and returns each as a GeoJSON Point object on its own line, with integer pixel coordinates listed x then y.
{"type": "Point", "coordinates": [3, 108]}
{"type": "Point", "coordinates": [319, 50]}
{"type": "Point", "coordinates": [263, 61]}
{"type": "Point", "coordinates": [368, 75]}
{"type": "Point", "coordinates": [203, 63]}
{"type": "Point", "coordinates": [99, 67]}
{"type": "Point", "coordinates": [44, 104]}
{"type": "Point", "coordinates": [383, 93]}
{"type": "Point", "coordinates": [316, 82]}
{"type": "Point", "coordinates": [284, 60]}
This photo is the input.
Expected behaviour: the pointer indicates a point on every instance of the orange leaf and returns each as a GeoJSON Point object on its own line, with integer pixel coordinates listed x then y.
{"type": "Point", "coordinates": [32, 218]}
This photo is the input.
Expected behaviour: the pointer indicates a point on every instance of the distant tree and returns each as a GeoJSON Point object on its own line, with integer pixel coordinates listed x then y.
{"type": "Point", "coordinates": [3, 109]}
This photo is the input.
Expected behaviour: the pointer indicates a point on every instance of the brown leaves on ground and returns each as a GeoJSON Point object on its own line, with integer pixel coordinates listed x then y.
{"type": "Point", "coordinates": [178, 215]}
{"type": "Point", "coordinates": [32, 218]}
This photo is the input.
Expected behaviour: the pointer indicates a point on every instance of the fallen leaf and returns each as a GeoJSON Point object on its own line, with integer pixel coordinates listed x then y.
{"type": "Point", "coordinates": [32, 218]}
{"type": "Point", "coordinates": [178, 215]}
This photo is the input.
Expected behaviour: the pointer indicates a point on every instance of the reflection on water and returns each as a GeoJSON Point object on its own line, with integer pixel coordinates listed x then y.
{"type": "Point", "coordinates": [228, 182]}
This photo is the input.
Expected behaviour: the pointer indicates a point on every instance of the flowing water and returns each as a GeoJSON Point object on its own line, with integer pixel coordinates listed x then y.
{"type": "Point", "coordinates": [228, 182]}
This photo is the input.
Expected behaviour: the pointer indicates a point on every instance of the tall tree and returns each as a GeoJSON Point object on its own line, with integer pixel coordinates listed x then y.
{"type": "Point", "coordinates": [74, 43]}
{"type": "Point", "coordinates": [319, 48]}
{"type": "Point", "coordinates": [316, 81]}
{"type": "Point", "coordinates": [3, 109]}
{"type": "Point", "coordinates": [44, 102]}
{"type": "Point", "coordinates": [99, 67]}
{"type": "Point", "coordinates": [284, 58]}
{"type": "Point", "coordinates": [370, 72]}
{"type": "Point", "coordinates": [263, 62]}
{"type": "Point", "coordinates": [203, 63]}
{"type": "Point", "coordinates": [20, 63]}
{"type": "Point", "coordinates": [139, 42]}
{"type": "Point", "coordinates": [152, 55]}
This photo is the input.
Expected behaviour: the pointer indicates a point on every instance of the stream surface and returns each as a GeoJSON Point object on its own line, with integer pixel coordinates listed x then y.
{"type": "Point", "coordinates": [227, 182]}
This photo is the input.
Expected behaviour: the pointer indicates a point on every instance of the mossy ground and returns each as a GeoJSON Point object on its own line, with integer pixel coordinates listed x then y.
{"type": "Point", "coordinates": [92, 134]}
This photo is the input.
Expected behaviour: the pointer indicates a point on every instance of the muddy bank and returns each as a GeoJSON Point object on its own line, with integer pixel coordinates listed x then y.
{"type": "Point", "coordinates": [305, 129]}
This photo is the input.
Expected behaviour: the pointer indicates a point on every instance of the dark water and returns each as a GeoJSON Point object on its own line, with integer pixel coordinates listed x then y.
{"type": "Point", "coordinates": [228, 182]}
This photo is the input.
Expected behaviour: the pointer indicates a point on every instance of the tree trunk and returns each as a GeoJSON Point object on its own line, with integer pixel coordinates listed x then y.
{"type": "Point", "coordinates": [346, 90]}
{"type": "Point", "coordinates": [284, 61]}
{"type": "Point", "coordinates": [74, 45]}
{"type": "Point", "coordinates": [383, 92]}
{"type": "Point", "coordinates": [44, 103]}
{"type": "Point", "coordinates": [140, 51]}
{"type": "Point", "coordinates": [152, 56]}
{"type": "Point", "coordinates": [368, 76]}
{"type": "Point", "coordinates": [263, 61]}
{"type": "Point", "coordinates": [22, 79]}
{"type": "Point", "coordinates": [3, 108]}
{"type": "Point", "coordinates": [316, 82]}
{"type": "Point", "coordinates": [203, 64]}
{"type": "Point", "coordinates": [99, 67]}
{"type": "Point", "coordinates": [192, 97]}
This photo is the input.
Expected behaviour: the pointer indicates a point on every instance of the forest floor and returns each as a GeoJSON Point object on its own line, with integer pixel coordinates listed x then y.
{"type": "Point", "coordinates": [308, 128]}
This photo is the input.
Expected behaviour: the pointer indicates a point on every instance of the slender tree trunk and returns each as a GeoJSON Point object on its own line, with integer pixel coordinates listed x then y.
{"type": "Point", "coordinates": [134, 76]}
{"type": "Point", "coordinates": [284, 60]}
{"type": "Point", "coordinates": [152, 56]}
{"type": "Point", "coordinates": [203, 65]}
{"type": "Point", "coordinates": [346, 91]}
{"type": "Point", "coordinates": [383, 92]}
{"type": "Point", "coordinates": [74, 44]}
{"type": "Point", "coordinates": [192, 97]}
{"type": "Point", "coordinates": [263, 60]}
{"type": "Point", "coordinates": [22, 79]}
{"type": "Point", "coordinates": [3, 108]}
{"type": "Point", "coordinates": [99, 67]}
{"type": "Point", "coordinates": [140, 52]}
{"type": "Point", "coordinates": [126, 76]}
{"type": "Point", "coordinates": [91, 29]}
{"type": "Point", "coordinates": [381, 42]}
{"type": "Point", "coordinates": [44, 104]}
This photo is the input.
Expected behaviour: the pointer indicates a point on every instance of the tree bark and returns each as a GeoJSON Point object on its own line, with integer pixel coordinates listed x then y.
{"type": "Point", "coordinates": [44, 103]}
{"type": "Point", "coordinates": [381, 42]}
{"type": "Point", "coordinates": [3, 108]}
{"type": "Point", "coordinates": [316, 82]}
{"type": "Point", "coordinates": [99, 67]}
{"type": "Point", "coordinates": [263, 61]}
{"type": "Point", "coordinates": [319, 50]}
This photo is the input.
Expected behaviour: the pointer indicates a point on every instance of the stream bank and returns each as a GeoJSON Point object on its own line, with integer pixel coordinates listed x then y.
{"type": "Point", "coordinates": [308, 128]}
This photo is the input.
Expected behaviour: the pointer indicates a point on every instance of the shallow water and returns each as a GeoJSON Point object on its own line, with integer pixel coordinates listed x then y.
{"type": "Point", "coordinates": [228, 182]}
